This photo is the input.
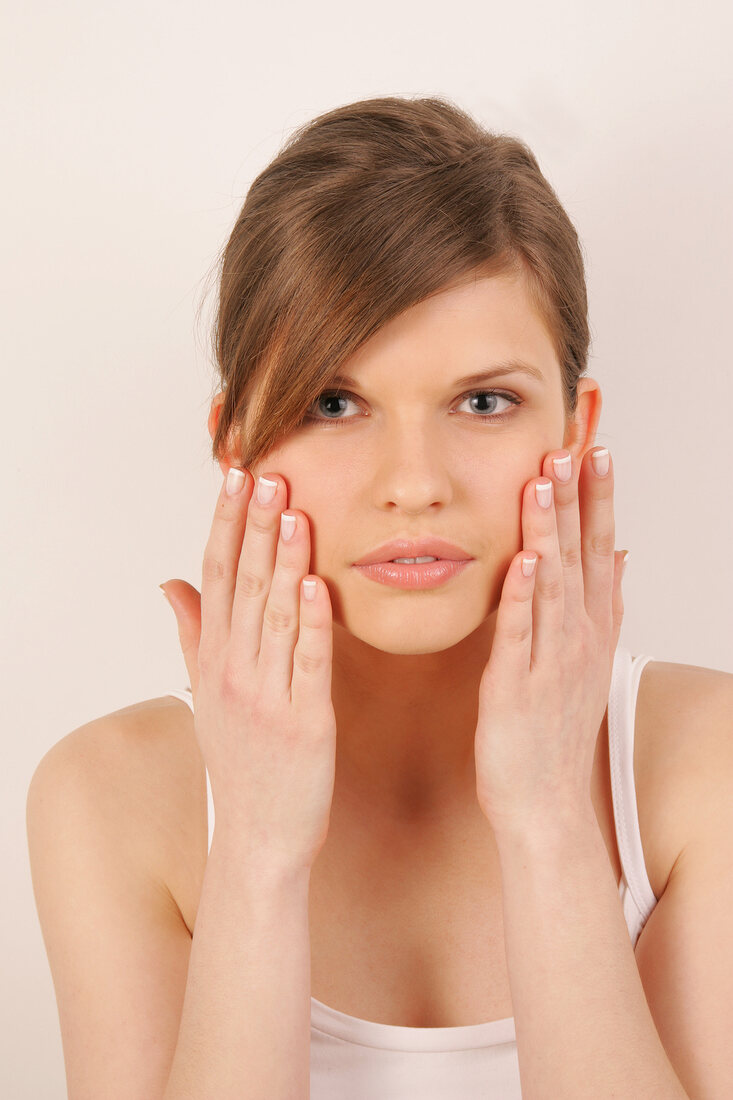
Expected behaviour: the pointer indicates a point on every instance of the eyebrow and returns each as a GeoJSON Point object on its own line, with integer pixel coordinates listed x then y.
{"type": "Point", "coordinates": [511, 366]}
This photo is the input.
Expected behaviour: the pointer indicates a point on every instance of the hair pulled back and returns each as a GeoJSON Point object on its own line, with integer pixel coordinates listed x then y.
{"type": "Point", "coordinates": [367, 210]}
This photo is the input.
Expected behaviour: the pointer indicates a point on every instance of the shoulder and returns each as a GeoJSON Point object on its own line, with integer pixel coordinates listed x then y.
{"type": "Point", "coordinates": [134, 741]}
{"type": "Point", "coordinates": [683, 757]}
{"type": "Point", "coordinates": [142, 770]}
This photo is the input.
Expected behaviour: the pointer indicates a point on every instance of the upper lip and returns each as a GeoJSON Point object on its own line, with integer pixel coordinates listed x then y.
{"type": "Point", "coordinates": [429, 546]}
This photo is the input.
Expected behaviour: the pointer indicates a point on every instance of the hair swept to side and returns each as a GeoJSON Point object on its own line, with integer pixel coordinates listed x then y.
{"type": "Point", "coordinates": [367, 210]}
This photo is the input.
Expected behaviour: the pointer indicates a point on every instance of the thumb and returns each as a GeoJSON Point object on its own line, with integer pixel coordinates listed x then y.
{"type": "Point", "coordinates": [186, 603]}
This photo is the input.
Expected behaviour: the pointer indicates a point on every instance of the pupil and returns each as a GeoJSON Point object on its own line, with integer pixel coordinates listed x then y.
{"type": "Point", "coordinates": [484, 397]}
{"type": "Point", "coordinates": [332, 397]}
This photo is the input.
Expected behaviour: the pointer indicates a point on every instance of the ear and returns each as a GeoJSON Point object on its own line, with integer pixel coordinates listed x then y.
{"type": "Point", "coordinates": [215, 412]}
{"type": "Point", "coordinates": [229, 458]}
{"type": "Point", "coordinates": [580, 429]}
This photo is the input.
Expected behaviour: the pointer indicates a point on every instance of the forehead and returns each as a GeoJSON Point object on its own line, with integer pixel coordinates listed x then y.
{"type": "Point", "coordinates": [481, 322]}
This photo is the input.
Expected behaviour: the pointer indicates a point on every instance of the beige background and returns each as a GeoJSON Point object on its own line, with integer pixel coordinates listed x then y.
{"type": "Point", "coordinates": [132, 132]}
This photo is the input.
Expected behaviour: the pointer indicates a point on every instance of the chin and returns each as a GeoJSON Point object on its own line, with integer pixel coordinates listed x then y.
{"type": "Point", "coordinates": [412, 635]}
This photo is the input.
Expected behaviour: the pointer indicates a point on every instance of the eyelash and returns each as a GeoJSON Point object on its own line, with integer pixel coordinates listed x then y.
{"type": "Point", "coordinates": [495, 417]}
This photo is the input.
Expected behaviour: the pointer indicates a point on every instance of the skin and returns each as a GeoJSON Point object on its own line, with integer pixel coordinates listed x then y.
{"type": "Point", "coordinates": [414, 458]}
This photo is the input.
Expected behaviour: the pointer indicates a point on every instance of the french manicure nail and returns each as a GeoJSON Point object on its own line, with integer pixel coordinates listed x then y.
{"type": "Point", "coordinates": [235, 480]}
{"type": "Point", "coordinates": [563, 467]}
{"type": "Point", "coordinates": [265, 490]}
{"type": "Point", "coordinates": [600, 460]}
{"type": "Point", "coordinates": [287, 526]}
{"type": "Point", "coordinates": [543, 492]}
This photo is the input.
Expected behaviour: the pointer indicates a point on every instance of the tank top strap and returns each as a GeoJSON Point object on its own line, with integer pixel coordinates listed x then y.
{"type": "Point", "coordinates": [621, 721]}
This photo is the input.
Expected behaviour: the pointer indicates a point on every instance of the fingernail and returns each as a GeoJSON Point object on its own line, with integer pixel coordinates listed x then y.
{"type": "Point", "coordinates": [265, 490]}
{"type": "Point", "coordinates": [627, 555]}
{"type": "Point", "coordinates": [160, 586]}
{"type": "Point", "coordinates": [528, 565]}
{"type": "Point", "coordinates": [543, 492]}
{"type": "Point", "coordinates": [600, 460]}
{"type": "Point", "coordinates": [235, 480]}
{"type": "Point", "coordinates": [287, 526]}
{"type": "Point", "coordinates": [563, 467]}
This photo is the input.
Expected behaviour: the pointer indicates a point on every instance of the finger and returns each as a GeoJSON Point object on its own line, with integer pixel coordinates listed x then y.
{"type": "Point", "coordinates": [618, 599]}
{"type": "Point", "coordinates": [598, 537]}
{"type": "Point", "coordinates": [567, 519]}
{"type": "Point", "coordinates": [511, 649]}
{"type": "Point", "coordinates": [255, 571]}
{"type": "Point", "coordinates": [281, 617]}
{"type": "Point", "coordinates": [185, 602]}
{"type": "Point", "coordinates": [221, 555]}
{"type": "Point", "coordinates": [310, 689]}
{"type": "Point", "coordinates": [539, 531]}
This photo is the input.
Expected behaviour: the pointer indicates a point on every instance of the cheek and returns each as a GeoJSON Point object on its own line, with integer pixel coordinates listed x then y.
{"type": "Point", "coordinates": [498, 517]}
{"type": "Point", "coordinates": [332, 537]}
{"type": "Point", "coordinates": [498, 497]}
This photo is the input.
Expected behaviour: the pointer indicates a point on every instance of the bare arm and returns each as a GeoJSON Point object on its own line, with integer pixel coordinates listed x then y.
{"type": "Point", "coordinates": [259, 658]}
{"type": "Point", "coordinates": [245, 1027]}
{"type": "Point", "coordinates": [145, 1012]}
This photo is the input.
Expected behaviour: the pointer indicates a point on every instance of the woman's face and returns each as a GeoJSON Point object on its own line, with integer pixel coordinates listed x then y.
{"type": "Point", "coordinates": [405, 453]}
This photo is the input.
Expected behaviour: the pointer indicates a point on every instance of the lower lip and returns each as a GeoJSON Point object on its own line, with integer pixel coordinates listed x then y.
{"type": "Point", "coordinates": [428, 574]}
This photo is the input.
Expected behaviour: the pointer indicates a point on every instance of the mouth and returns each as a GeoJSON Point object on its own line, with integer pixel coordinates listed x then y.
{"type": "Point", "coordinates": [413, 574]}
{"type": "Point", "coordinates": [425, 550]}
{"type": "Point", "coordinates": [415, 561]}
{"type": "Point", "coordinates": [427, 559]}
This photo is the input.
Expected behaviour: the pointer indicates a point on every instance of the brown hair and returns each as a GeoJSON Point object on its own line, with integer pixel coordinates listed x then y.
{"type": "Point", "coordinates": [367, 210]}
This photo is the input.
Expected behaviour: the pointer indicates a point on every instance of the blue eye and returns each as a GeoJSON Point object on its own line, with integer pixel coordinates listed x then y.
{"type": "Point", "coordinates": [344, 395]}
{"type": "Point", "coordinates": [491, 394]}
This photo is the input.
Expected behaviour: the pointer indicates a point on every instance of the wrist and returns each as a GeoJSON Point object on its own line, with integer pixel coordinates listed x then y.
{"type": "Point", "coordinates": [259, 861]}
{"type": "Point", "coordinates": [552, 828]}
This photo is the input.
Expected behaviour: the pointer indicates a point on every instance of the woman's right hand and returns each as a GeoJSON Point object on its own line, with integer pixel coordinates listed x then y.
{"type": "Point", "coordinates": [259, 659]}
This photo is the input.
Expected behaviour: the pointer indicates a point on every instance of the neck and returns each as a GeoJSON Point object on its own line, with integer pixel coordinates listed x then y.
{"type": "Point", "coordinates": [405, 728]}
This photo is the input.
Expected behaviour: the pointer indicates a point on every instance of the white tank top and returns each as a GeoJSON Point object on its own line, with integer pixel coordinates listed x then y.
{"type": "Point", "coordinates": [361, 1059]}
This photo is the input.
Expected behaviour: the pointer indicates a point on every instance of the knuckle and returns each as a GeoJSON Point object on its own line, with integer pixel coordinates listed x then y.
{"type": "Point", "coordinates": [261, 713]}
{"type": "Point", "coordinates": [213, 567]}
{"type": "Point", "coordinates": [309, 663]}
{"type": "Point", "coordinates": [249, 584]}
{"type": "Point", "coordinates": [552, 589]}
{"type": "Point", "coordinates": [228, 688]}
{"type": "Point", "coordinates": [524, 597]}
{"type": "Point", "coordinates": [279, 621]}
{"type": "Point", "coordinates": [231, 684]}
{"type": "Point", "coordinates": [518, 635]}
{"type": "Point", "coordinates": [570, 557]}
{"type": "Point", "coordinates": [261, 523]}
{"type": "Point", "coordinates": [603, 543]}
{"type": "Point", "coordinates": [290, 564]}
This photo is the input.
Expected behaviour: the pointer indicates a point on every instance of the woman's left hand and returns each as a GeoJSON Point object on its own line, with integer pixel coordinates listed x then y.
{"type": "Point", "coordinates": [544, 691]}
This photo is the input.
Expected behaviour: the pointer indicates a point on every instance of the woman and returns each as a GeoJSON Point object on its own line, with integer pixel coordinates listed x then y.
{"type": "Point", "coordinates": [429, 833]}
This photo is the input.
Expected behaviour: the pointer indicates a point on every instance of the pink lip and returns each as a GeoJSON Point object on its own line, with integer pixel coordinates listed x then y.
{"type": "Point", "coordinates": [425, 575]}
{"type": "Point", "coordinates": [428, 546]}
